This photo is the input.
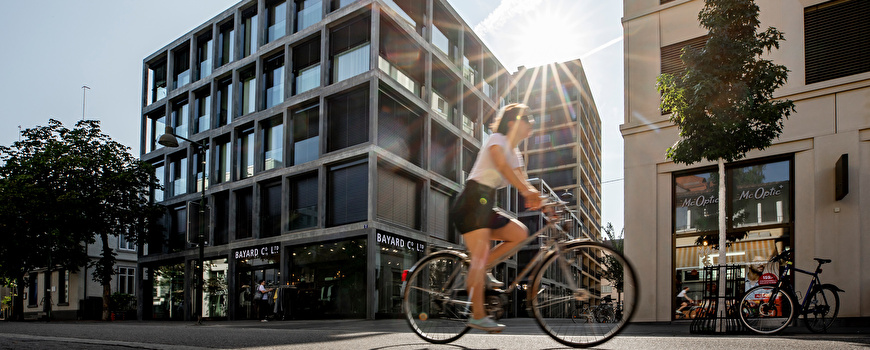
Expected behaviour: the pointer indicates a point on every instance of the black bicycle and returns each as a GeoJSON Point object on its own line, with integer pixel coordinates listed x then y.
{"type": "Point", "coordinates": [768, 309]}
{"type": "Point", "coordinates": [565, 274]}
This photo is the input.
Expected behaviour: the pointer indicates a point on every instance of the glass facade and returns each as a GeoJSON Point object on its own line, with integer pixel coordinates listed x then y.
{"type": "Point", "coordinates": [306, 134]}
{"type": "Point", "coordinates": [273, 76]}
{"type": "Point", "coordinates": [273, 141]}
{"type": "Point", "coordinates": [759, 221]}
{"type": "Point", "coordinates": [303, 202]}
{"type": "Point", "coordinates": [329, 279]}
{"type": "Point", "coordinates": [203, 56]}
{"type": "Point", "coordinates": [167, 294]}
{"type": "Point", "coordinates": [308, 12]}
{"type": "Point", "coordinates": [249, 32]}
{"type": "Point", "coordinates": [276, 21]}
{"type": "Point", "coordinates": [248, 91]}
{"type": "Point", "coordinates": [203, 111]}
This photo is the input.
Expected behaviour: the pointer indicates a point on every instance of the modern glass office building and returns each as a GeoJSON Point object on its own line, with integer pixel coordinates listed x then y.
{"type": "Point", "coordinates": [336, 134]}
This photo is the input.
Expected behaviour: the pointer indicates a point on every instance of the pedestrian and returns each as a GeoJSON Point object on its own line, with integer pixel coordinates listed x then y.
{"type": "Point", "coordinates": [498, 164]}
{"type": "Point", "coordinates": [262, 298]}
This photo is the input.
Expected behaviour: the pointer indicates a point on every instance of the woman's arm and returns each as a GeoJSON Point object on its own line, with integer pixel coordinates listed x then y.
{"type": "Point", "coordinates": [516, 177]}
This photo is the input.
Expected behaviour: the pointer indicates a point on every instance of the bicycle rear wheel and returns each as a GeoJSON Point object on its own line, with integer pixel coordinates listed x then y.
{"type": "Point", "coordinates": [822, 310]}
{"type": "Point", "coordinates": [573, 276]}
{"type": "Point", "coordinates": [435, 302]}
{"type": "Point", "coordinates": [765, 313]}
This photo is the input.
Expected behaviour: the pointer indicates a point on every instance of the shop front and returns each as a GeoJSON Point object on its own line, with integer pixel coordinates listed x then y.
{"type": "Point", "coordinates": [252, 265]}
{"type": "Point", "coordinates": [759, 222]}
{"type": "Point", "coordinates": [326, 280]}
{"type": "Point", "coordinates": [395, 254]}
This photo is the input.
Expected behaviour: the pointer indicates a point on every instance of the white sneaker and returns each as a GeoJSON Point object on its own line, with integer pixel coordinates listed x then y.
{"type": "Point", "coordinates": [486, 324]}
{"type": "Point", "coordinates": [264, 321]}
{"type": "Point", "coordinates": [493, 283]}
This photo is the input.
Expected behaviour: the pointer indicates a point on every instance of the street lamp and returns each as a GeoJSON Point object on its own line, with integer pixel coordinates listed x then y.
{"type": "Point", "coordinates": [170, 139]}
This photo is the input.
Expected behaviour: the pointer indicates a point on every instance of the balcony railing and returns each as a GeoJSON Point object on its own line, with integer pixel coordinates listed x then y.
{"type": "Point", "coordinates": [351, 63]}
{"type": "Point", "coordinates": [308, 78]}
{"type": "Point", "coordinates": [398, 75]}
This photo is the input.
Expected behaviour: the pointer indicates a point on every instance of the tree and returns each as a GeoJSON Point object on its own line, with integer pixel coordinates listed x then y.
{"type": "Point", "coordinates": [614, 268]}
{"type": "Point", "coordinates": [60, 188]}
{"type": "Point", "coordinates": [723, 100]}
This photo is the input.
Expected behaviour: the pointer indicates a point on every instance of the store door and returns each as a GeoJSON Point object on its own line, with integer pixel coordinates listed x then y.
{"type": "Point", "coordinates": [247, 280]}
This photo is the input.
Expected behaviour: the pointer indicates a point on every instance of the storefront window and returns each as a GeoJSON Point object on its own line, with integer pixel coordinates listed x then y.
{"type": "Point", "coordinates": [215, 288]}
{"type": "Point", "coordinates": [168, 292]}
{"type": "Point", "coordinates": [255, 264]}
{"type": "Point", "coordinates": [759, 205]}
{"type": "Point", "coordinates": [396, 254]}
{"type": "Point", "coordinates": [328, 280]}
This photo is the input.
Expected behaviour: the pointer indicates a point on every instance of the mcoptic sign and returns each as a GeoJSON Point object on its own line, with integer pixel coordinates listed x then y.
{"type": "Point", "coordinates": [760, 193]}
{"type": "Point", "coordinates": [257, 252]}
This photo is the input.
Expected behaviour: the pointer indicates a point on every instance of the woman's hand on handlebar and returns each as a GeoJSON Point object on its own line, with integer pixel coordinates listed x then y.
{"type": "Point", "coordinates": [532, 198]}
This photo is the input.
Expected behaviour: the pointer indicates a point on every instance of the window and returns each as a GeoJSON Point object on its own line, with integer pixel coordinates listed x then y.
{"type": "Point", "coordinates": [349, 48]}
{"type": "Point", "coordinates": [225, 101]}
{"type": "Point", "coordinates": [62, 287]}
{"type": "Point", "coordinates": [759, 195]}
{"type": "Point", "coordinates": [347, 197]}
{"type": "Point", "coordinates": [249, 31]}
{"type": "Point", "coordinates": [440, 40]}
{"type": "Point", "coordinates": [837, 39]}
{"type": "Point", "coordinates": [160, 175]}
{"type": "Point", "coordinates": [398, 58]}
{"type": "Point", "coordinates": [226, 42]}
{"type": "Point", "coordinates": [244, 213]}
{"type": "Point", "coordinates": [276, 19]}
{"type": "Point", "coordinates": [248, 90]}
{"type": "Point", "coordinates": [33, 292]}
{"type": "Point", "coordinates": [180, 113]}
{"type": "Point", "coordinates": [308, 12]}
{"type": "Point", "coordinates": [178, 176]}
{"type": "Point", "coordinates": [439, 220]}
{"type": "Point", "coordinates": [203, 56]}
{"type": "Point", "coordinates": [303, 202]}
{"type": "Point", "coordinates": [273, 76]}
{"type": "Point", "coordinates": [400, 130]}
{"type": "Point", "coordinates": [202, 165]}
{"type": "Point", "coordinates": [203, 111]}
{"type": "Point", "coordinates": [222, 218]}
{"type": "Point", "coordinates": [178, 229]}
{"type": "Point", "coordinates": [348, 121]}
{"type": "Point", "coordinates": [670, 60]}
{"type": "Point", "coordinates": [270, 210]}
{"type": "Point", "coordinates": [306, 134]}
{"type": "Point", "coordinates": [399, 197]}
{"type": "Point", "coordinates": [127, 280]}
{"type": "Point", "coordinates": [155, 124]}
{"type": "Point", "coordinates": [126, 244]}
{"type": "Point", "coordinates": [337, 4]}
{"type": "Point", "coordinates": [156, 81]}
{"type": "Point", "coordinates": [444, 154]}
{"type": "Point", "coordinates": [273, 141]}
{"type": "Point", "coordinates": [245, 148]}
{"type": "Point", "coordinates": [224, 152]}
{"type": "Point", "coordinates": [306, 65]}
{"type": "Point", "coordinates": [181, 67]}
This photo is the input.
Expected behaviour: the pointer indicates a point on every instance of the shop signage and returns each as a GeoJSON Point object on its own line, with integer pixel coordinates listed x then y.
{"type": "Point", "coordinates": [257, 252]}
{"type": "Point", "coordinates": [758, 194]}
{"type": "Point", "coordinates": [400, 243]}
{"type": "Point", "coordinates": [767, 279]}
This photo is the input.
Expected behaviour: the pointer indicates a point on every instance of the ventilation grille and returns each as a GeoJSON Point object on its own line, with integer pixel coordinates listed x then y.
{"type": "Point", "coordinates": [671, 63]}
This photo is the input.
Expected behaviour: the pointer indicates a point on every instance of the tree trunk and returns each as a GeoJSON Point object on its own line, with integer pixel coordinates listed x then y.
{"type": "Point", "coordinates": [722, 248]}
{"type": "Point", "coordinates": [107, 270]}
{"type": "Point", "coordinates": [17, 300]}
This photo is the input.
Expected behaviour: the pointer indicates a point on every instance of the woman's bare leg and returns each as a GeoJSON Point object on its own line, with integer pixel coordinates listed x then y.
{"type": "Point", "coordinates": [477, 242]}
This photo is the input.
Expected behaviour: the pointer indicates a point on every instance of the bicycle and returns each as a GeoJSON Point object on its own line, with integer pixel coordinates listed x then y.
{"type": "Point", "coordinates": [564, 274]}
{"type": "Point", "coordinates": [691, 311]}
{"type": "Point", "coordinates": [768, 309]}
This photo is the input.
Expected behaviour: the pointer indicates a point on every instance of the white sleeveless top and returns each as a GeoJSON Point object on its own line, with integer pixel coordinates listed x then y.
{"type": "Point", "coordinates": [484, 171]}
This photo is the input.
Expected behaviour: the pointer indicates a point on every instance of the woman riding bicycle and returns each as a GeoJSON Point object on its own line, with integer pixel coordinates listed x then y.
{"type": "Point", "coordinates": [498, 164]}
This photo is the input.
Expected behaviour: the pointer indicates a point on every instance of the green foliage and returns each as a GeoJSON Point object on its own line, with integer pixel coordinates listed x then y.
{"type": "Point", "coordinates": [122, 302]}
{"type": "Point", "coordinates": [613, 268]}
{"type": "Point", "coordinates": [722, 101]}
{"type": "Point", "coordinates": [60, 188]}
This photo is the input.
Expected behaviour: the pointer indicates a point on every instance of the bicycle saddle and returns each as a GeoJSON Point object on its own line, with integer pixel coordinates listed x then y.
{"type": "Point", "coordinates": [822, 261]}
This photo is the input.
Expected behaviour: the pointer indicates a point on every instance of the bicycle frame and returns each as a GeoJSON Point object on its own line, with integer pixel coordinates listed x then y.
{"type": "Point", "coordinates": [552, 246]}
{"type": "Point", "coordinates": [781, 285]}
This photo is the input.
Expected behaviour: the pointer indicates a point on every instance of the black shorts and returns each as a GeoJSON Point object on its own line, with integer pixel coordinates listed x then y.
{"type": "Point", "coordinates": [473, 209]}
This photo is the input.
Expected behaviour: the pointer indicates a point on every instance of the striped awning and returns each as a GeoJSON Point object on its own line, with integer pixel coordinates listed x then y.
{"type": "Point", "coordinates": [739, 253]}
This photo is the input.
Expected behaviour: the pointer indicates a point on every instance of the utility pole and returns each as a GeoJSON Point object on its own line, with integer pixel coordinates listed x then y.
{"type": "Point", "coordinates": [85, 89]}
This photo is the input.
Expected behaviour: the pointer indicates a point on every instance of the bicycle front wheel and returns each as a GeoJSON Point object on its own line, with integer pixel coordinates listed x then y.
{"type": "Point", "coordinates": [435, 302]}
{"type": "Point", "coordinates": [824, 305]}
{"type": "Point", "coordinates": [766, 309]}
{"type": "Point", "coordinates": [574, 275]}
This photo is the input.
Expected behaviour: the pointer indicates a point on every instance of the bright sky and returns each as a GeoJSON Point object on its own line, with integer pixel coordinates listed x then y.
{"type": "Point", "coordinates": [54, 47]}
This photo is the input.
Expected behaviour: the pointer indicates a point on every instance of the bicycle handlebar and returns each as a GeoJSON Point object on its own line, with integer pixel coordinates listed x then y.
{"type": "Point", "coordinates": [781, 256]}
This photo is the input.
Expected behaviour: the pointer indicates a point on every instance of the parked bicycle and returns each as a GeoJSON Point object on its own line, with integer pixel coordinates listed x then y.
{"type": "Point", "coordinates": [563, 275]}
{"type": "Point", "coordinates": [768, 309]}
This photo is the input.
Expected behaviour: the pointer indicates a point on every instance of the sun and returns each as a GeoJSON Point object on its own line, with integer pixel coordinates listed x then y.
{"type": "Point", "coordinates": [550, 33]}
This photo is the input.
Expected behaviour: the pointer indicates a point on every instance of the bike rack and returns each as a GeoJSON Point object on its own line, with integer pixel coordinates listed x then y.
{"type": "Point", "coordinates": [707, 321]}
